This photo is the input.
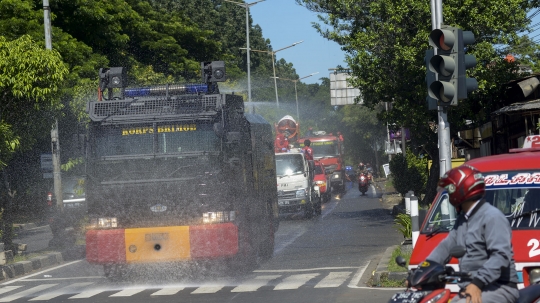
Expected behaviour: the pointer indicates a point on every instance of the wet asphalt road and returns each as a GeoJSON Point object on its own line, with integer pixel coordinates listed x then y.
{"type": "Point", "coordinates": [325, 259]}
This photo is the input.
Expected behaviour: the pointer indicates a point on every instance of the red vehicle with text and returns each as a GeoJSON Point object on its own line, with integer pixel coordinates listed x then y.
{"type": "Point", "coordinates": [328, 149]}
{"type": "Point", "coordinates": [513, 186]}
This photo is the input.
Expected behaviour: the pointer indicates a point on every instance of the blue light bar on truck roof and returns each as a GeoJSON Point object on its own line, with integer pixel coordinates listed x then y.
{"type": "Point", "coordinates": [162, 90]}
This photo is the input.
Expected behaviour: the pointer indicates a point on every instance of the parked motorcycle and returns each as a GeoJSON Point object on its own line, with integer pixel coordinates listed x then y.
{"type": "Point", "coordinates": [363, 183]}
{"type": "Point", "coordinates": [427, 283]}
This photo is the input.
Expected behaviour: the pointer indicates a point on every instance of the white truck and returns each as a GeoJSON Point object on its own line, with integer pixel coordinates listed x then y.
{"type": "Point", "coordinates": [296, 190]}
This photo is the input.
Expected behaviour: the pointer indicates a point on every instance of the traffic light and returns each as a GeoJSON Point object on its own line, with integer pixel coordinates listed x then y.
{"type": "Point", "coordinates": [450, 64]}
{"type": "Point", "coordinates": [213, 71]}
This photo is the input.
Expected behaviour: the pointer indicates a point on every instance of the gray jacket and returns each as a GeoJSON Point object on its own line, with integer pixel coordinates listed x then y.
{"type": "Point", "coordinates": [487, 236]}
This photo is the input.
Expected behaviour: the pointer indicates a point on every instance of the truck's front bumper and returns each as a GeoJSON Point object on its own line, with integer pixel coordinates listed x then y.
{"type": "Point", "coordinates": [291, 205]}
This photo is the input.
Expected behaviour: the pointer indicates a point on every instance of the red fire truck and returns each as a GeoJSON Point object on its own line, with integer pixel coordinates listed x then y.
{"type": "Point", "coordinates": [513, 186]}
{"type": "Point", "coordinates": [328, 149]}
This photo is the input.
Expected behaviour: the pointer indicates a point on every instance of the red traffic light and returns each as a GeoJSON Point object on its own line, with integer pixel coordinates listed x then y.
{"type": "Point", "coordinates": [442, 39]}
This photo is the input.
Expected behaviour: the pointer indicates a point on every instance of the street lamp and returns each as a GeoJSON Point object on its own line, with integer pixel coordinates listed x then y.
{"type": "Point", "coordinates": [247, 6]}
{"type": "Point", "coordinates": [295, 91]}
{"type": "Point", "coordinates": [273, 64]}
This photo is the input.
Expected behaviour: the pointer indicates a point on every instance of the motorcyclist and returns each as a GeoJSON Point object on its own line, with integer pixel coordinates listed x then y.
{"type": "Point", "coordinates": [486, 233]}
{"type": "Point", "coordinates": [307, 150]}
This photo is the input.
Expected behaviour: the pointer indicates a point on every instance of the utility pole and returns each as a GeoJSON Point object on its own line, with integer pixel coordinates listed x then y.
{"type": "Point", "coordinates": [55, 142]}
{"type": "Point", "coordinates": [443, 129]}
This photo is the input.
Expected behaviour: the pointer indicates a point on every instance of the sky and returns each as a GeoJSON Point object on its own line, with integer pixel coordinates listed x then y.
{"type": "Point", "coordinates": [284, 22]}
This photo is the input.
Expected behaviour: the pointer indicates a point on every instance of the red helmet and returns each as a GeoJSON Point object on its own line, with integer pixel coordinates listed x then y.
{"type": "Point", "coordinates": [463, 183]}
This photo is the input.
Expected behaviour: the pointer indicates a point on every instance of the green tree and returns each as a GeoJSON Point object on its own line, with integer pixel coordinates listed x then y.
{"type": "Point", "coordinates": [385, 42]}
{"type": "Point", "coordinates": [30, 80]}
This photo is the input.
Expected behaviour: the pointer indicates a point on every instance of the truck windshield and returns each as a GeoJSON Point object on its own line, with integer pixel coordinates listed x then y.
{"type": "Point", "coordinates": [521, 205]}
{"type": "Point", "coordinates": [165, 138]}
{"type": "Point", "coordinates": [324, 149]}
{"type": "Point", "coordinates": [289, 164]}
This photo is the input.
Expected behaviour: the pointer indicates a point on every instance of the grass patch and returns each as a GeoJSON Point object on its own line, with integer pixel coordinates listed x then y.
{"type": "Point", "coordinates": [389, 184]}
{"type": "Point", "coordinates": [26, 257]}
{"type": "Point", "coordinates": [385, 282]}
{"type": "Point", "coordinates": [392, 266]}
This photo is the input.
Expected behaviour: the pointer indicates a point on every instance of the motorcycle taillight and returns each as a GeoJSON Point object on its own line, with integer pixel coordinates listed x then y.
{"type": "Point", "coordinates": [49, 198]}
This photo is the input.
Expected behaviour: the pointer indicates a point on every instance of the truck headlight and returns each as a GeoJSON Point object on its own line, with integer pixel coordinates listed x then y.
{"type": "Point", "coordinates": [301, 193]}
{"type": "Point", "coordinates": [320, 183]}
{"type": "Point", "coordinates": [104, 222]}
{"type": "Point", "coordinates": [218, 217]}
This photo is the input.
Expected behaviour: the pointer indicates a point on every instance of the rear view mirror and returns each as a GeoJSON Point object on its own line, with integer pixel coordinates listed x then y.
{"type": "Point", "coordinates": [401, 261]}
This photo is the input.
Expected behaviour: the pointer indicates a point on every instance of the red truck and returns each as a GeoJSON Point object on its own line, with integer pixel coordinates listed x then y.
{"type": "Point", "coordinates": [328, 149]}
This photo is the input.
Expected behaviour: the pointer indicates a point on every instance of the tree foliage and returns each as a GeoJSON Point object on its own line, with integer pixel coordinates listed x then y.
{"type": "Point", "coordinates": [409, 173]}
{"type": "Point", "coordinates": [385, 43]}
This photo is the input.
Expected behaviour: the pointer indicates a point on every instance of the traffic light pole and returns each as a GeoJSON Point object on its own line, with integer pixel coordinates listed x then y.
{"type": "Point", "coordinates": [443, 130]}
{"type": "Point", "coordinates": [55, 144]}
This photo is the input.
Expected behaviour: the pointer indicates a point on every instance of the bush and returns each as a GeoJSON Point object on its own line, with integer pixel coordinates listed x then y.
{"type": "Point", "coordinates": [404, 225]}
{"type": "Point", "coordinates": [409, 173]}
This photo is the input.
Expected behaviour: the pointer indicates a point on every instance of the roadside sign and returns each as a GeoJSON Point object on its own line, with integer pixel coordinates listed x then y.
{"type": "Point", "coordinates": [46, 162]}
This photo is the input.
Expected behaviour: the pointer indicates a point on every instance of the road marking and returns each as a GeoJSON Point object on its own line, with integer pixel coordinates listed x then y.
{"type": "Point", "coordinates": [295, 281]}
{"type": "Point", "coordinates": [302, 270]}
{"type": "Point", "coordinates": [87, 294]}
{"type": "Point", "coordinates": [41, 272]}
{"type": "Point", "coordinates": [329, 208]}
{"type": "Point", "coordinates": [8, 289]}
{"type": "Point", "coordinates": [59, 279]}
{"type": "Point", "coordinates": [333, 279]}
{"type": "Point", "coordinates": [253, 285]}
{"type": "Point", "coordinates": [291, 239]}
{"type": "Point", "coordinates": [127, 292]}
{"type": "Point", "coordinates": [356, 278]}
{"type": "Point", "coordinates": [26, 292]}
{"type": "Point", "coordinates": [207, 290]}
{"type": "Point", "coordinates": [61, 291]}
{"type": "Point", "coordinates": [168, 291]}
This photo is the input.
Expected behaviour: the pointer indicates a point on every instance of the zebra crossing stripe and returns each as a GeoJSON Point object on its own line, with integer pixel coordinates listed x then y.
{"type": "Point", "coordinates": [333, 279]}
{"type": "Point", "coordinates": [87, 294]}
{"type": "Point", "coordinates": [127, 292]}
{"type": "Point", "coordinates": [8, 289]}
{"type": "Point", "coordinates": [61, 291]}
{"type": "Point", "coordinates": [207, 290]}
{"type": "Point", "coordinates": [295, 281]}
{"type": "Point", "coordinates": [167, 291]}
{"type": "Point", "coordinates": [253, 285]}
{"type": "Point", "coordinates": [26, 292]}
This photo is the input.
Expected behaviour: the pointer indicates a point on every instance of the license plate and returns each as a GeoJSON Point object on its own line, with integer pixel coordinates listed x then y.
{"type": "Point", "coordinates": [283, 202]}
{"type": "Point", "coordinates": [409, 297]}
{"type": "Point", "coordinates": [156, 237]}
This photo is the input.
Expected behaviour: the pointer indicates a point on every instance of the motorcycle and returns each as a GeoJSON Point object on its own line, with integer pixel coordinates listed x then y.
{"type": "Point", "coordinates": [363, 183]}
{"type": "Point", "coordinates": [427, 283]}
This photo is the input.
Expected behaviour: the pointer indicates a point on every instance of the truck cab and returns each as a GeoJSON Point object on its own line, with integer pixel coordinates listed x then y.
{"type": "Point", "coordinates": [296, 190]}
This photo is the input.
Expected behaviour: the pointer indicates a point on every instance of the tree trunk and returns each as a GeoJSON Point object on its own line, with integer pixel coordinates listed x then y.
{"type": "Point", "coordinates": [7, 215]}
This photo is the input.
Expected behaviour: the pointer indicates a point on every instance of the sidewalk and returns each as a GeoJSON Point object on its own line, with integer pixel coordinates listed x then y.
{"type": "Point", "coordinates": [37, 239]}
{"type": "Point", "coordinates": [390, 200]}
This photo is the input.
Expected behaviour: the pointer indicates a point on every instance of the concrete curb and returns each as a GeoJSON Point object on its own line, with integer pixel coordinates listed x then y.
{"type": "Point", "coordinates": [22, 268]}
{"type": "Point", "coordinates": [382, 268]}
